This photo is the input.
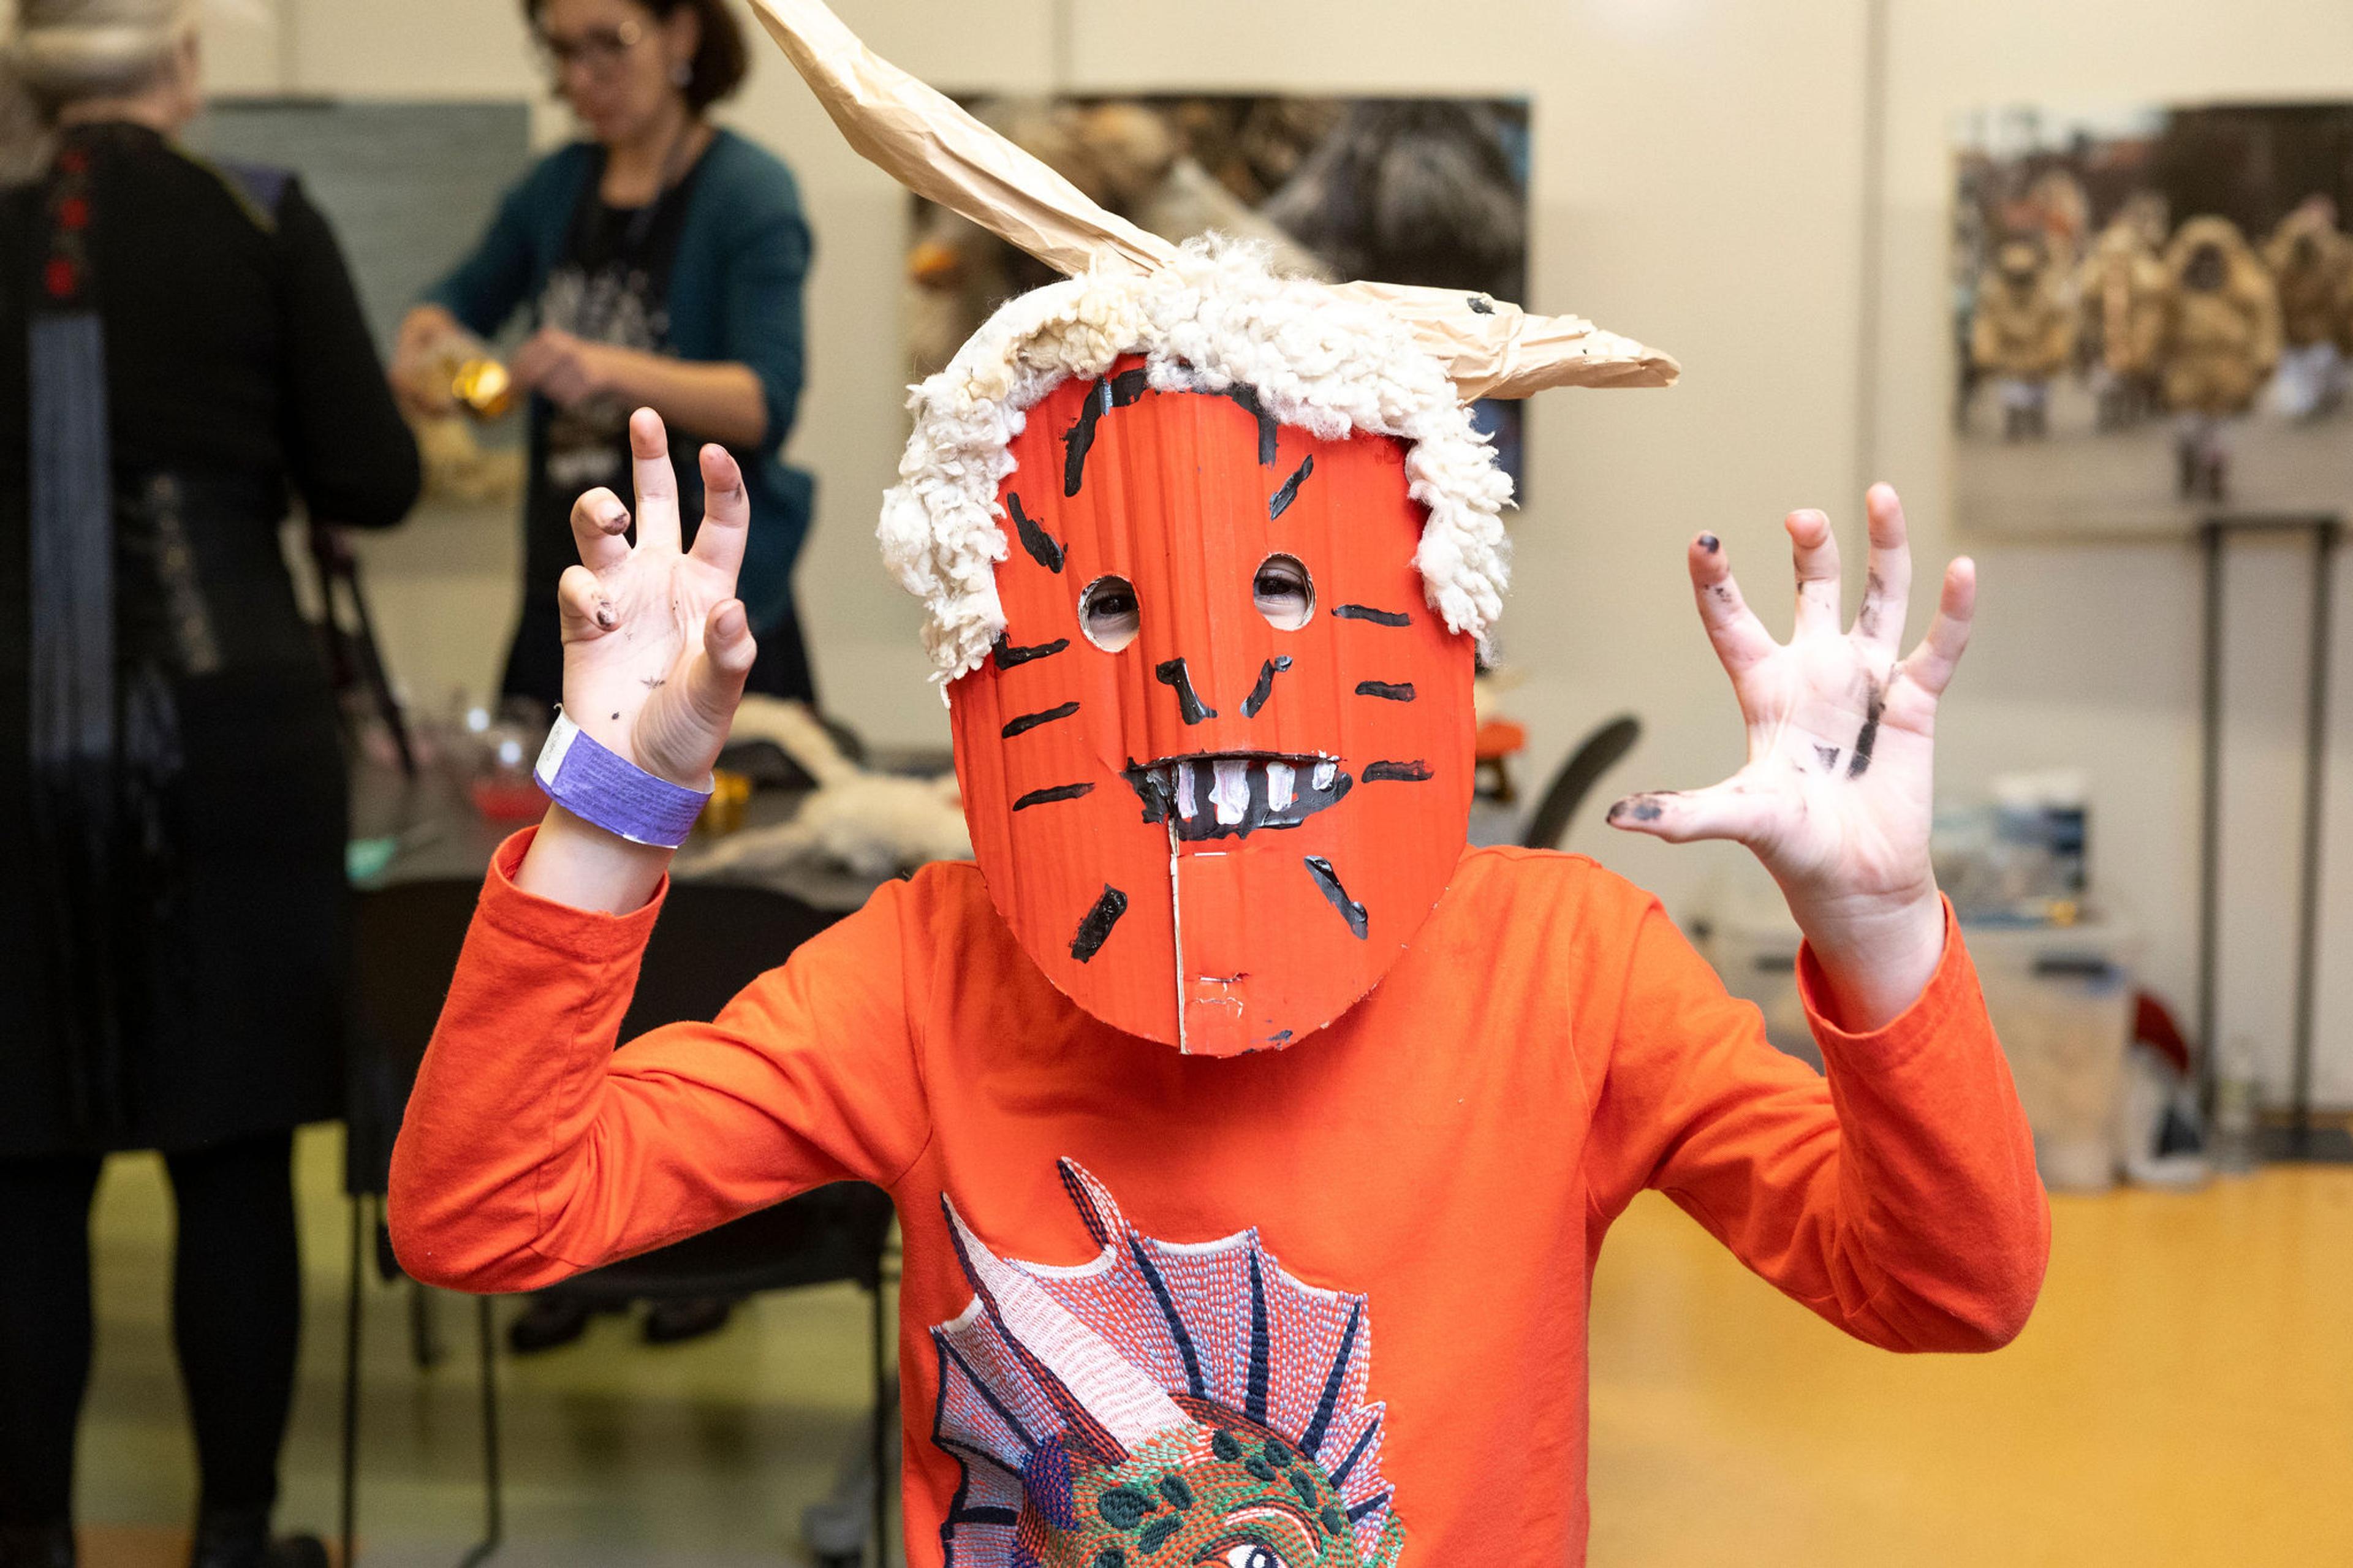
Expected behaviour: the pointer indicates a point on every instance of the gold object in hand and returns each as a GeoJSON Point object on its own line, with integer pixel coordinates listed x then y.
{"type": "Point", "coordinates": [483, 388]}
{"type": "Point", "coordinates": [723, 813]}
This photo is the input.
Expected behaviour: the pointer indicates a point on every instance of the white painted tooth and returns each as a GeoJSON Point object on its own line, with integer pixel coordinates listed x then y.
{"type": "Point", "coordinates": [1231, 793]}
{"type": "Point", "coordinates": [1280, 785]}
{"type": "Point", "coordinates": [1325, 773]}
{"type": "Point", "coordinates": [1186, 805]}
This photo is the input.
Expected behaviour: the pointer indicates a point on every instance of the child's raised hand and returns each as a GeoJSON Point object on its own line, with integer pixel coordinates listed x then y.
{"type": "Point", "coordinates": [1835, 797]}
{"type": "Point", "coordinates": [655, 645]}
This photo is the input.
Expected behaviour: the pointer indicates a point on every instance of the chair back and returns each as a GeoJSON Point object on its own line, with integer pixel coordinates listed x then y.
{"type": "Point", "coordinates": [713, 939]}
{"type": "Point", "coordinates": [1600, 752]}
{"type": "Point", "coordinates": [407, 938]}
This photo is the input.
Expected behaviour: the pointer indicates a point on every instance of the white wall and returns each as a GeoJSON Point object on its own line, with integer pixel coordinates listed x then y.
{"type": "Point", "coordinates": [1697, 183]}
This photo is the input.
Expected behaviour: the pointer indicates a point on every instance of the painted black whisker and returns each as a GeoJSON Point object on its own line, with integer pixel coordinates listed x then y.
{"type": "Point", "coordinates": [1048, 796]}
{"type": "Point", "coordinates": [1290, 490]}
{"type": "Point", "coordinates": [1367, 612]}
{"type": "Point", "coordinates": [1401, 691]}
{"type": "Point", "coordinates": [1007, 655]}
{"type": "Point", "coordinates": [1096, 927]}
{"type": "Point", "coordinates": [1120, 391]}
{"type": "Point", "coordinates": [1327, 882]}
{"type": "Point", "coordinates": [1246, 399]}
{"type": "Point", "coordinates": [1396, 772]}
{"type": "Point", "coordinates": [1029, 721]}
{"type": "Point", "coordinates": [1040, 544]}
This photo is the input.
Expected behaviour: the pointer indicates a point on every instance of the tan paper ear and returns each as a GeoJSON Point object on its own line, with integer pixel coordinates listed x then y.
{"type": "Point", "coordinates": [945, 155]}
{"type": "Point", "coordinates": [1494, 349]}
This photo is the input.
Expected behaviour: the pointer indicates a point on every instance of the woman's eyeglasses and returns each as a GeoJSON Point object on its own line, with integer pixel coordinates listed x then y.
{"type": "Point", "coordinates": [597, 51]}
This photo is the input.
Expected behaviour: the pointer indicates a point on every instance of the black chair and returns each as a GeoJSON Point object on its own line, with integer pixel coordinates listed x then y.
{"type": "Point", "coordinates": [712, 940]}
{"type": "Point", "coordinates": [1600, 752]}
{"type": "Point", "coordinates": [404, 948]}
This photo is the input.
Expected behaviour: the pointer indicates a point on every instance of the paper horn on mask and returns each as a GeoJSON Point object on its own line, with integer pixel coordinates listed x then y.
{"type": "Point", "coordinates": [945, 155]}
{"type": "Point", "coordinates": [922, 140]}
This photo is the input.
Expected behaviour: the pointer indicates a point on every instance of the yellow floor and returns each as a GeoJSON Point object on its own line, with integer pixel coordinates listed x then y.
{"type": "Point", "coordinates": [2183, 1397]}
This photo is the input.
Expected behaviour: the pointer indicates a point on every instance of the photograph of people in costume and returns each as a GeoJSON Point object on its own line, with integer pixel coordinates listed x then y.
{"type": "Point", "coordinates": [1429, 191]}
{"type": "Point", "coordinates": [2152, 315]}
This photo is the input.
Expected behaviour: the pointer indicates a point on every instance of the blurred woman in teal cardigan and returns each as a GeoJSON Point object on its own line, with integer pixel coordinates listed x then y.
{"type": "Point", "coordinates": [661, 262]}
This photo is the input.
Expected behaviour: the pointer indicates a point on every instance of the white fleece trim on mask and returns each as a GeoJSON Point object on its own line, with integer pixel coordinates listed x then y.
{"type": "Point", "coordinates": [1215, 319]}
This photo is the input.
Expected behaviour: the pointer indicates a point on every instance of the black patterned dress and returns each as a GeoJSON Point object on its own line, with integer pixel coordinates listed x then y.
{"type": "Point", "coordinates": [181, 353]}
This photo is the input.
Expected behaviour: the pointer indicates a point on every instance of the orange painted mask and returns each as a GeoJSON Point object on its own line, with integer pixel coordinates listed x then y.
{"type": "Point", "coordinates": [1219, 770]}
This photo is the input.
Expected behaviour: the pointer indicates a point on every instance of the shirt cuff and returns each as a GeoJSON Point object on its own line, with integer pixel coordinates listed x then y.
{"type": "Point", "coordinates": [1951, 992]}
{"type": "Point", "coordinates": [590, 935]}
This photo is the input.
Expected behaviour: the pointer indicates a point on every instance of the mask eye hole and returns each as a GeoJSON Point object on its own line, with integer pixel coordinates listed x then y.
{"type": "Point", "coordinates": [1284, 593]}
{"type": "Point", "coordinates": [1109, 614]}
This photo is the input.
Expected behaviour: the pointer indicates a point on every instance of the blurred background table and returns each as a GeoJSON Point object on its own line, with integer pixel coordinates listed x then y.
{"type": "Point", "coordinates": [407, 829]}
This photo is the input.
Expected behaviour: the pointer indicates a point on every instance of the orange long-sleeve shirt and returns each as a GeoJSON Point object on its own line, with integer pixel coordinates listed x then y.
{"type": "Point", "coordinates": [1447, 1157]}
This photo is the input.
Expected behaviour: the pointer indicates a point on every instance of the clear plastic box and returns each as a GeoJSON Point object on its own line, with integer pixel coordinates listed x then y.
{"type": "Point", "coordinates": [2062, 1000]}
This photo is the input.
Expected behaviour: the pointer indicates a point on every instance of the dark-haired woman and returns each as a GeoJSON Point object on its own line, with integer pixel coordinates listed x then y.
{"type": "Point", "coordinates": [660, 261]}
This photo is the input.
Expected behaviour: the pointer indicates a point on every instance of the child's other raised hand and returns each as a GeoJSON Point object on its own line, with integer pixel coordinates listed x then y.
{"type": "Point", "coordinates": [1835, 797]}
{"type": "Point", "coordinates": [655, 645]}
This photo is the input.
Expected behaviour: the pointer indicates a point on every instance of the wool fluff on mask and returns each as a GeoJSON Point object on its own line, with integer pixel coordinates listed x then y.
{"type": "Point", "coordinates": [1207, 557]}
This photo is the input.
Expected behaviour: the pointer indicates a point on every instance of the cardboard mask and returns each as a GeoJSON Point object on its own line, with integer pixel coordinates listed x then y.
{"type": "Point", "coordinates": [1206, 554]}
{"type": "Point", "coordinates": [1219, 770]}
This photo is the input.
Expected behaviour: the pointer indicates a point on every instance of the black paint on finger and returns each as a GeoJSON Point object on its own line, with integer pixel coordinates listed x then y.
{"type": "Point", "coordinates": [1641, 808]}
{"type": "Point", "coordinates": [1710, 542]}
{"type": "Point", "coordinates": [1829, 755]}
{"type": "Point", "coordinates": [1868, 738]}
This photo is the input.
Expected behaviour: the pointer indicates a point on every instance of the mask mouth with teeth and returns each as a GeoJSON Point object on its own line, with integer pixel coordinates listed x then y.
{"type": "Point", "coordinates": [1231, 797]}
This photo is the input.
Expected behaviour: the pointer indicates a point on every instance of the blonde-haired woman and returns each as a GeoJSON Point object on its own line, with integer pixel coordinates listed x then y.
{"type": "Point", "coordinates": [180, 350]}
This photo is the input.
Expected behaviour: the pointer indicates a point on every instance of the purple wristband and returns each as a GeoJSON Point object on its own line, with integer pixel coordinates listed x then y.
{"type": "Point", "coordinates": [600, 786]}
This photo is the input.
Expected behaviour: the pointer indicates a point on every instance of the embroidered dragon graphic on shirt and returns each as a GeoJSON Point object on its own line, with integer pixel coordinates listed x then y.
{"type": "Point", "coordinates": [1167, 1404]}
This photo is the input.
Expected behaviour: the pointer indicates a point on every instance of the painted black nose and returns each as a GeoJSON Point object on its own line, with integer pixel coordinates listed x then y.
{"type": "Point", "coordinates": [1265, 687]}
{"type": "Point", "coordinates": [1188, 701]}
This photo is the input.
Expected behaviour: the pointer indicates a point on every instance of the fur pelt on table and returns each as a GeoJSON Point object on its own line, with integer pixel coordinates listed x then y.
{"type": "Point", "coordinates": [875, 824]}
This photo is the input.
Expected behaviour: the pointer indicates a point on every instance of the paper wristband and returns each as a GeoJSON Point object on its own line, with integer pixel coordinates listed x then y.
{"type": "Point", "coordinates": [601, 787]}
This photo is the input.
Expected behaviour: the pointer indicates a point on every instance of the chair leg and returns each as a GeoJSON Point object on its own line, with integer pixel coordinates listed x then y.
{"type": "Point", "coordinates": [881, 1453]}
{"type": "Point", "coordinates": [494, 1520]}
{"type": "Point", "coordinates": [351, 1476]}
{"type": "Point", "coordinates": [423, 1333]}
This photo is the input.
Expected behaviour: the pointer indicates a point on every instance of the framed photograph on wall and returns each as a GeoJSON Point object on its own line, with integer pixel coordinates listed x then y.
{"type": "Point", "coordinates": [2152, 316]}
{"type": "Point", "coordinates": [1427, 190]}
